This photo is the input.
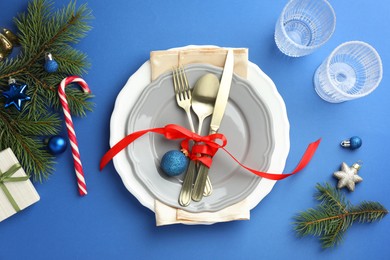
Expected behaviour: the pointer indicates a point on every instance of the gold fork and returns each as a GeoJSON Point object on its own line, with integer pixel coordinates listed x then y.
{"type": "Point", "coordinates": [183, 99]}
{"type": "Point", "coordinates": [183, 93]}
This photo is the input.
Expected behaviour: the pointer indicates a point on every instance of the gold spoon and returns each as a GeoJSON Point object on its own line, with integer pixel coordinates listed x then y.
{"type": "Point", "coordinates": [203, 98]}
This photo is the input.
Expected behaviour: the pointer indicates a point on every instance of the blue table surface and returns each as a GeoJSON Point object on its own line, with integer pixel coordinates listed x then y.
{"type": "Point", "coordinates": [111, 223]}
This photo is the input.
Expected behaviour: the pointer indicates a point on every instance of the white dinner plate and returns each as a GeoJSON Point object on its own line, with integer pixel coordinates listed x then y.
{"type": "Point", "coordinates": [262, 86]}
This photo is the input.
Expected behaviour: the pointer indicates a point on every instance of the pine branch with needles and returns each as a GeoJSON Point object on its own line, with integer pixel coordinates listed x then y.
{"type": "Point", "coordinates": [334, 215]}
{"type": "Point", "coordinates": [42, 29]}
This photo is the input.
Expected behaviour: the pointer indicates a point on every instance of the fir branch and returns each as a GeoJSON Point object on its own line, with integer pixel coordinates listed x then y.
{"type": "Point", "coordinates": [42, 30]}
{"type": "Point", "coordinates": [77, 100]}
{"type": "Point", "coordinates": [334, 216]}
{"type": "Point", "coordinates": [46, 125]}
{"type": "Point", "coordinates": [35, 158]}
{"type": "Point", "coordinates": [367, 212]}
{"type": "Point", "coordinates": [330, 197]}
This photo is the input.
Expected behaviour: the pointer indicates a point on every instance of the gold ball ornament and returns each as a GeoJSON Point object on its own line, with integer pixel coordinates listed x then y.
{"type": "Point", "coordinates": [8, 40]}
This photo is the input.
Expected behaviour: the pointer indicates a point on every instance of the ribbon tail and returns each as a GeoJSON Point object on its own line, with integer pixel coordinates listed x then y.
{"type": "Point", "coordinates": [16, 179]}
{"type": "Point", "coordinates": [311, 149]}
{"type": "Point", "coordinates": [7, 177]}
{"type": "Point", "coordinates": [122, 144]}
{"type": "Point", "coordinates": [14, 168]}
{"type": "Point", "coordinates": [170, 132]}
{"type": "Point", "coordinates": [107, 157]}
{"type": "Point", "coordinates": [9, 197]}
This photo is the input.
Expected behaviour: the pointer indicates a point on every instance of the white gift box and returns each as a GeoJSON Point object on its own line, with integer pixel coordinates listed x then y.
{"type": "Point", "coordinates": [23, 192]}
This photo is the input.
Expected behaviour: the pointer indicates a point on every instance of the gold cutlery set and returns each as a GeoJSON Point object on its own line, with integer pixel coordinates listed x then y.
{"type": "Point", "coordinates": [208, 97]}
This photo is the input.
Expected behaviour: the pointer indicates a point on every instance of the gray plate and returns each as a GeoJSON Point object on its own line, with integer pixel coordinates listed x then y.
{"type": "Point", "coordinates": [246, 124]}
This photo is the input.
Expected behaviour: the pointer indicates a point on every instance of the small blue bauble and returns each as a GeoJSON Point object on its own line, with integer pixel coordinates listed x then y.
{"type": "Point", "coordinates": [50, 64]}
{"type": "Point", "coordinates": [355, 142]}
{"type": "Point", "coordinates": [352, 143]}
{"type": "Point", "coordinates": [56, 144]}
{"type": "Point", "coordinates": [174, 163]}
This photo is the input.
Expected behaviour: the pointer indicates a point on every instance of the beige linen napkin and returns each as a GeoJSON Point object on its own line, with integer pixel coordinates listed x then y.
{"type": "Point", "coordinates": [166, 215]}
{"type": "Point", "coordinates": [163, 61]}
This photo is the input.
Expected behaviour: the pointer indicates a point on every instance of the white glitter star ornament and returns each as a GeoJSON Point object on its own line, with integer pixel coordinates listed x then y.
{"type": "Point", "coordinates": [348, 176]}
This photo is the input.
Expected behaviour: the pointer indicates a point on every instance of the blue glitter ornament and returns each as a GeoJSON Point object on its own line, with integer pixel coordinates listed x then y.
{"type": "Point", "coordinates": [352, 143]}
{"type": "Point", "coordinates": [174, 163]}
{"type": "Point", "coordinates": [15, 95]}
{"type": "Point", "coordinates": [50, 64]}
{"type": "Point", "coordinates": [56, 144]}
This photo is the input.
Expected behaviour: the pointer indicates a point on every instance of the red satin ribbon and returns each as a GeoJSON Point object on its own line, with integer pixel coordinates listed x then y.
{"type": "Point", "coordinates": [207, 148]}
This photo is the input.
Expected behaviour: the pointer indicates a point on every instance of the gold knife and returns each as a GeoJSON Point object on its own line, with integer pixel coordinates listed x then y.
{"type": "Point", "coordinates": [219, 111]}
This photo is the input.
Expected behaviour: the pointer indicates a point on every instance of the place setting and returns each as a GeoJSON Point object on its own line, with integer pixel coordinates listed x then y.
{"type": "Point", "coordinates": [200, 135]}
{"type": "Point", "coordinates": [187, 96]}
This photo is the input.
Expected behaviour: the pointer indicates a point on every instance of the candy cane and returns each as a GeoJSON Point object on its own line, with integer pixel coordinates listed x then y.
{"type": "Point", "coordinates": [71, 133]}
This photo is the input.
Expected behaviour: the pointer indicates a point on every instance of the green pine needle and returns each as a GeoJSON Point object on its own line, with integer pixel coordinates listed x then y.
{"type": "Point", "coordinates": [331, 219]}
{"type": "Point", "coordinates": [42, 29]}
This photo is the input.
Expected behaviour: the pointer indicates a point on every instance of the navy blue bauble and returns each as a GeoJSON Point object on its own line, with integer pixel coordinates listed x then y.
{"type": "Point", "coordinates": [56, 144]}
{"type": "Point", "coordinates": [355, 142]}
{"type": "Point", "coordinates": [50, 64]}
{"type": "Point", "coordinates": [174, 163]}
{"type": "Point", "coordinates": [352, 143]}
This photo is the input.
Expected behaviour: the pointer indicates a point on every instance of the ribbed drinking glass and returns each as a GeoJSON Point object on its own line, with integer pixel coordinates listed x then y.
{"type": "Point", "coordinates": [352, 70]}
{"type": "Point", "coordinates": [304, 26]}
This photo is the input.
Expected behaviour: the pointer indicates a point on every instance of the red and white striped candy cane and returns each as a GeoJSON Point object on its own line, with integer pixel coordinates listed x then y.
{"type": "Point", "coordinates": [71, 133]}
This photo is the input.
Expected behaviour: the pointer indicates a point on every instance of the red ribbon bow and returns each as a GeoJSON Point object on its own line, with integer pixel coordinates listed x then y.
{"type": "Point", "coordinates": [207, 148]}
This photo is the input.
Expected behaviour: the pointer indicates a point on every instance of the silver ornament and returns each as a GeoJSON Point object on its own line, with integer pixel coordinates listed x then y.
{"type": "Point", "coordinates": [348, 176]}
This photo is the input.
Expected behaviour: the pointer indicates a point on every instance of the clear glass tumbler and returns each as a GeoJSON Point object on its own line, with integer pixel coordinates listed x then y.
{"type": "Point", "coordinates": [352, 70]}
{"type": "Point", "coordinates": [304, 26]}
